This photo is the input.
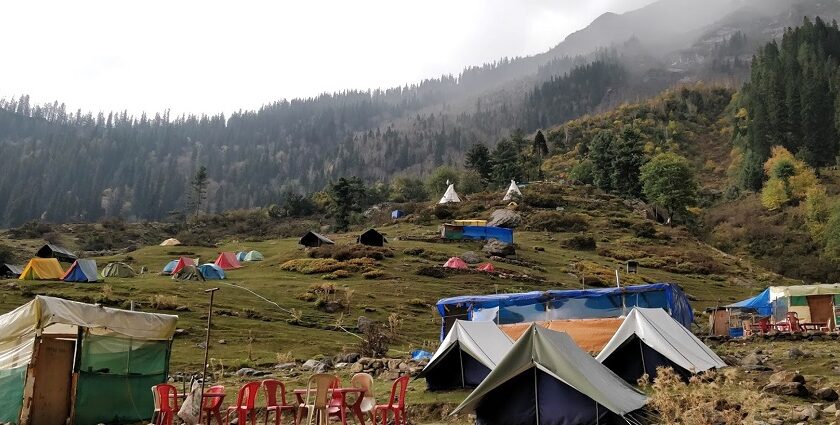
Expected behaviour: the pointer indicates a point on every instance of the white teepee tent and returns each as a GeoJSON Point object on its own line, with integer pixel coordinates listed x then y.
{"type": "Point", "coordinates": [449, 196]}
{"type": "Point", "coordinates": [513, 190]}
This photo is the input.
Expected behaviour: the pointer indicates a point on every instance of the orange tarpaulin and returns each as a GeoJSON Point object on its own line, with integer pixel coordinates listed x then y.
{"type": "Point", "coordinates": [590, 334]}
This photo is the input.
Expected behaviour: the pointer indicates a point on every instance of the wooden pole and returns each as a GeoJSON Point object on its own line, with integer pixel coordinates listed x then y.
{"type": "Point", "coordinates": [212, 291]}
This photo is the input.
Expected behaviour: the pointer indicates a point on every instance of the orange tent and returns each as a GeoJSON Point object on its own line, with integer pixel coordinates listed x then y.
{"type": "Point", "coordinates": [227, 261]}
{"type": "Point", "coordinates": [456, 263]}
{"type": "Point", "coordinates": [589, 334]}
{"type": "Point", "coordinates": [183, 262]}
{"type": "Point", "coordinates": [487, 267]}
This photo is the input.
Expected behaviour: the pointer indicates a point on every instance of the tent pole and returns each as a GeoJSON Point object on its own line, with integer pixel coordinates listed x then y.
{"type": "Point", "coordinates": [212, 291]}
{"type": "Point", "coordinates": [642, 355]}
{"type": "Point", "coordinates": [461, 359]}
{"type": "Point", "coordinates": [536, 396]}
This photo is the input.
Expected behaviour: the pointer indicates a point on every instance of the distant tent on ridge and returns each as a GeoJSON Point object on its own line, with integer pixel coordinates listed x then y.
{"type": "Point", "coordinates": [512, 192]}
{"type": "Point", "coordinates": [372, 238]}
{"type": "Point", "coordinates": [487, 267]}
{"type": "Point", "coordinates": [120, 270]}
{"type": "Point", "coordinates": [42, 269]}
{"type": "Point", "coordinates": [82, 270]}
{"type": "Point", "coordinates": [649, 338]}
{"type": "Point", "coordinates": [449, 196]}
{"type": "Point", "coordinates": [456, 263]}
{"type": "Point", "coordinates": [466, 356]}
{"type": "Point", "coordinates": [253, 256]}
{"type": "Point", "coordinates": [546, 379]}
{"type": "Point", "coordinates": [170, 242]}
{"type": "Point", "coordinates": [314, 240]}
{"type": "Point", "coordinates": [211, 271]}
{"type": "Point", "coordinates": [227, 261]}
{"type": "Point", "coordinates": [54, 251]}
{"type": "Point", "coordinates": [10, 270]}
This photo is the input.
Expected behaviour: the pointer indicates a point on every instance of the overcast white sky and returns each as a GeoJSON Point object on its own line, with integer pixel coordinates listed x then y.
{"type": "Point", "coordinates": [205, 56]}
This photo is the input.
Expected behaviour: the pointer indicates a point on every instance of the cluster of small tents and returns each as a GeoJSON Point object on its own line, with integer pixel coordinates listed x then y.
{"type": "Point", "coordinates": [459, 264]}
{"type": "Point", "coordinates": [451, 196]}
{"type": "Point", "coordinates": [47, 266]}
{"type": "Point", "coordinates": [370, 237]}
{"type": "Point", "coordinates": [185, 268]}
{"type": "Point", "coordinates": [545, 377]}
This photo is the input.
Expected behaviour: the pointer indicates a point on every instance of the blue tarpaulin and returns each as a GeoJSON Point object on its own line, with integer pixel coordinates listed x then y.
{"type": "Point", "coordinates": [760, 303]}
{"type": "Point", "coordinates": [488, 232]}
{"type": "Point", "coordinates": [397, 214]}
{"type": "Point", "coordinates": [569, 304]}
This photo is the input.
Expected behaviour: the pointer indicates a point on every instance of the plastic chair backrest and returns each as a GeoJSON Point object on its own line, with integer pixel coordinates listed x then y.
{"type": "Point", "coordinates": [364, 381]}
{"type": "Point", "coordinates": [213, 403]}
{"type": "Point", "coordinates": [323, 382]}
{"type": "Point", "coordinates": [247, 396]}
{"type": "Point", "coordinates": [271, 387]}
{"type": "Point", "coordinates": [166, 397]}
{"type": "Point", "coordinates": [401, 386]}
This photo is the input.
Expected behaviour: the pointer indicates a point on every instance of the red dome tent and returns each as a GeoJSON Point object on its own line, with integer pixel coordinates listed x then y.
{"type": "Point", "coordinates": [487, 267]}
{"type": "Point", "coordinates": [456, 263]}
{"type": "Point", "coordinates": [227, 261]}
{"type": "Point", "coordinates": [183, 262]}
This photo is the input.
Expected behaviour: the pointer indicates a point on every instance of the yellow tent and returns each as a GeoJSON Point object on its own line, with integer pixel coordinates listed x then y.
{"type": "Point", "coordinates": [42, 269]}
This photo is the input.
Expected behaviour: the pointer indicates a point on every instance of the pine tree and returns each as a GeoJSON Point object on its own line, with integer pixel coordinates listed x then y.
{"type": "Point", "coordinates": [601, 154]}
{"type": "Point", "coordinates": [478, 160]}
{"type": "Point", "coordinates": [198, 186]}
{"type": "Point", "coordinates": [627, 161]}
{"type": "Point", "coordinates": [506, 163]}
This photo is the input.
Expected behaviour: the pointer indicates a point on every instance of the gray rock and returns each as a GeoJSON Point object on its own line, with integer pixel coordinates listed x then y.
{"type": "Point", "coordinates": [470, 257]}
{"type": "Point", "coordinates": [505, 218]}
{"type": "Point", "coordinates": [499, 248]}
{"type": "Point", "coordinates": [752, 360]}
{"type": "Point", "coordinates": [352, 357]}
{"type": "Point", "coordinates": [775, 421]}
{"type": "Point", "coordinates": [785, 376]}
{"type": "Point", "coordinates": [363, 323]}
{"type": "Point", "coordinates": [285, 366]}
{"type": "Point", "coordinates": [357, 368]}
{"type": "Point", "coordinates": [795, 353]}
{"type": "Point", "coordinates": [794, 389]}
{"type": "Point", "coordinates": [247, 371]}
{"type": "Point", "coordinates": [826, 394]}
{"type": "Point", "coordinates": [340, 365]}
{"type": "Point", "coordinates": [222, 341]}
{"type": "Point", "coordinates": [808, 413]}
{"type": "Point", "coordinates": [831, 409]}
{"type": "Point", "coordinates": [314, 366]}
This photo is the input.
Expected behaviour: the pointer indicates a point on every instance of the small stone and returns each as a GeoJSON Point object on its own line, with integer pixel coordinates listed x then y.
{"type": "Point", "coordinates": [831, 409]}
{"type": "Point", "coordinates": [340, 365]}
{"type": "Point", "coordinates": [470, 257]}
{"type": "Point", "coordinates": [795, 389]}
{"type": "Point", "coordinates": [182, 308]}
{"type": "Point", "coordinates": [284, 366]}
{"type": "Point", "coordinates": [775, 421]}
{"type": "Point", "coordinates": [808, 413]}
{"type": "Point", "coordinates": [222, 341]}
{"type": "Point", "coordinates": [245, 371]}
{"type": "Point", "coordinates": [352, 357]}
{"type": "Point", "coordinates": [314, 366]}
{"type": "Point", "coordinates": [785, 376]}
{"type": "Point", "coordinates": [795, 353]}
{"type": "Point", "coordinates": [752, 360]}
{"type": "Point", "coordinates": [357, 368]}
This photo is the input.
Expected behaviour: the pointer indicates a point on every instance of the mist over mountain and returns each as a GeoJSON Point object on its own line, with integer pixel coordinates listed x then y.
{"type": "Point", "coordinates": [77, 165]}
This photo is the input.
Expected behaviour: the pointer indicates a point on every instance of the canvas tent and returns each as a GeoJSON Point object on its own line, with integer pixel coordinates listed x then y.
{"type": "Point", "coordinates": [811, 303]}
{"type": "Point", "coordinates": [211, 271]}
{"type": "Point", "coordinates": [313, 240]}
{"type": "Point", "coordinates": [82, 270]}
{"type": "Point", "coordinates": [170, 242]}
{"type": "Point", "coordinates": [54, 251]}
{"type": "Point", "coordinates": [512, 192]}
{"type": "Point", "coordinates": [181, 263]}
{"type": "Point", "coordinates": [449, 196]}
{"type": "Point", "coordinates": [546, 379]}
{"type": "Point", "coordinates": [10, 270]}
{"type": "Point", "coordinates": [190, 272]}
{"type": "Point", "coordinates": [650, 338]}
{"type": "Point", "coordinates": [227, 261]}
{"type": "Point", "coordinates": [42, 269]}
{"type": "Point", "coordinates": [253, 256]}
{"type": "Point", "coordinates": [455, 263]}
{"type": "Point", "coordinates": [68, 358]}
{"type": "Point", "coordinates": [372, 238]}
{"type": "Point", "coordinates": [465, 357]}
{"type": "Point", "coordinates": [118, 270]}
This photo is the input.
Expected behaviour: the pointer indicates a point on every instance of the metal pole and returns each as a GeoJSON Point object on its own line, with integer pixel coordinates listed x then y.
{"type": "Point", "coordinates": [212, 291]}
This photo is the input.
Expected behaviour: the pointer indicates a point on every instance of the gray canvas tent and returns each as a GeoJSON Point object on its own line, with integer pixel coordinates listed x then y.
{"type": "Point", "coordinates": [118, 270]}
{"type": "Point", "coordinates": [10, 270]}
{"type": "Point", "coordinates": [466, 356]}
{"type": "Point", "coordinates": [54, 251]}
{"type": "Point", "coordinates": [312, 240]}
{"type": "Point", "coordinates": [82, 270]}
{"type": "Point", "coordinates": [547, 379]}
{"type": "Point", "coordinates": [649, 338]}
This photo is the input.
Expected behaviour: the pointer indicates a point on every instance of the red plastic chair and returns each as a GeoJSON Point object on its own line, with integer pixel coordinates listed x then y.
{"type": "Point", "coordinates": [396, 404]}
{"type": "Point", "coordinates": [166, 404]}
{"type": "Point", "coordinates": [212, 406]}
{"type": "Point", "coordinates": [246, 400]}
{"type": "Point", "coordinates": [793, 320]}
{"type": "Point", "coordinates": [273, 387]}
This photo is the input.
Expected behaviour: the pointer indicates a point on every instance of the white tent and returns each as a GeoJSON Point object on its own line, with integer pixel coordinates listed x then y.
{"type": "Point", "coordinates": [513, 190]}
{"type": "Point", "coordinates": [467, 354]}
{"type": "Point", "coordinates": [649, 338]}
{"type": "Point", "coordinates": [450, 195]}
{"type": "Point", "coordinates": [546, 378]}
{"type": "Point", "coordinates": [170, 242]}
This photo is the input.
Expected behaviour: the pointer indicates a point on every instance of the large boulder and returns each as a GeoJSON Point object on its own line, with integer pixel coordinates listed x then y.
{"type": "Point", "coordinates": [470, 257]}
{"type": "Point", "coordinates": [826, 394]}
{"type": "Point", "coordinates": [499, 248]}
{"type": "Point", "coordinates": [505, 218]}
{"type": "Point", "coordinates": [794, 389]}
{"type": "Point", "coordinates": [785, 376]}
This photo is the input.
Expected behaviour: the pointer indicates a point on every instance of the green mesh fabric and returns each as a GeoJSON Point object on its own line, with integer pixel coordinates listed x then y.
{"type": "Point", "coordinates": [11, 393]}
{"type": "Point", "coordinates": [115, 379]}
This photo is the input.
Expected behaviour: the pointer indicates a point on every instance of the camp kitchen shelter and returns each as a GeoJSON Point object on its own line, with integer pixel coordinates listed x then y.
{"type": "Point", "coordinates": [465, 357]}
{"type": "Point", "coordinates": [512, 192]}
{"type": "Point", "coordinates": [54, 251]}
{"type": "Point", "coordinates": [450, 196]}
{"type": "Point", "coordinates": [10, 271]}
{"type": "Point", "coordinates": [82, 270]}
{"type": "Point", "coordinates": [539, 306]}
{"type": "Point", "coordinates": [650, 338]}
{"type": "Point", "coordinates": [118, 270]}
{"type": "Point", "coordinates": [42, 269]}
{"type": "Point", "coordinates": [63, 359]}
{"type": "Point", "coordinates": [811, 303]}
{"type": "Point", "coordinates": [314, 240]}
{"type": "Point", "coordinates": [170, 242]}
{"type": "Point", "coordinates": [481, 233]}
{"type": "Point", "coordinates": [546, 379]}
{"type": "Point", "coordinates": [372, 238]}
{"type": "Point", "coordinates": [227, 261]}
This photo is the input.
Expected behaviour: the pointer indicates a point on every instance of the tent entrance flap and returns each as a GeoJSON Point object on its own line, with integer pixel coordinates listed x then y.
{"type": "Point", "coordinates": [53, 381]}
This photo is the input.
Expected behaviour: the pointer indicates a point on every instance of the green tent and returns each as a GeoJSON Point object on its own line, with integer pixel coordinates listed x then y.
{"type": "Point", "coordinates": [253, 256]}
{"type": "Point", "coordinates": [118, 270]}
{"type": "Point", "coordinates": [115, 356]}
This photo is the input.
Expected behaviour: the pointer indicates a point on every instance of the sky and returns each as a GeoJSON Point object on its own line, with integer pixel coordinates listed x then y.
{"type": "Point", "coordinates": [202, 56]}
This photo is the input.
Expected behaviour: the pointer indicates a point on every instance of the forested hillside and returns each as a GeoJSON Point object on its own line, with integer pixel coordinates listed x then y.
{"type": "Point", "coordinates": [80, 166]}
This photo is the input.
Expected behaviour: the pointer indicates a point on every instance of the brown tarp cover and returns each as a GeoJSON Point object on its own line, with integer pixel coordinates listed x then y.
{"type": "Point", "coordinates": [589, 334]}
